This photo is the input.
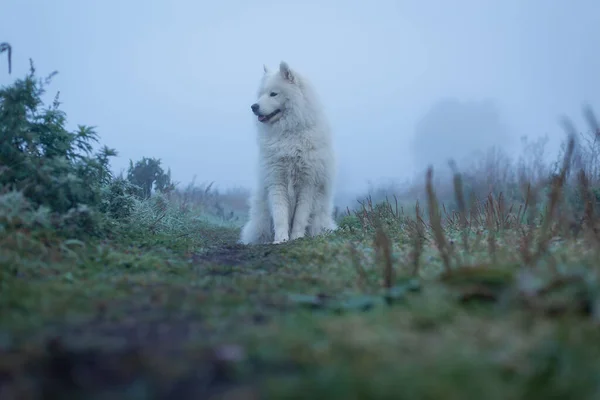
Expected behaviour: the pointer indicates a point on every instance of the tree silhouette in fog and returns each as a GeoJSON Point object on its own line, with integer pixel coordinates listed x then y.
{"type": "Point", "coordinates": [456, 129]}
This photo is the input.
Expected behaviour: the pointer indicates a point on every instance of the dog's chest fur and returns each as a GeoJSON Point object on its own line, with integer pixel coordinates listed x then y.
{"type": "Point", "coordinates": [289, 159]}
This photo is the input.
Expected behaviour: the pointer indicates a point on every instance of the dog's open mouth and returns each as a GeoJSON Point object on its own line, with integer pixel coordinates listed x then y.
{"type": "Point", "coordinates": [266, 118]}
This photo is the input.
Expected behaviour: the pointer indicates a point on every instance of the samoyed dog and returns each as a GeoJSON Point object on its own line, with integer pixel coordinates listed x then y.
{"type": "Point", "coordinates": [294, 195]}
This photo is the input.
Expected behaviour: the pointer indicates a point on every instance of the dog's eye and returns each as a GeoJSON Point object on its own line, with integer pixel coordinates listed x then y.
{"type": "Point", "coordinates": [272, 94]}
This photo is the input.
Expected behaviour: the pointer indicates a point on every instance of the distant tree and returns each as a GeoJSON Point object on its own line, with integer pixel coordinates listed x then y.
{"type": "Point", "coordinates": [147, 173]}
{"type": "Point", "coordinates": [455, 129]}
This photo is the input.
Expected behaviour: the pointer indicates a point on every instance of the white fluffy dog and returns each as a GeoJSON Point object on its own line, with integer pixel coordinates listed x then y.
{"type": "Point", "coordinates": [294, 196]}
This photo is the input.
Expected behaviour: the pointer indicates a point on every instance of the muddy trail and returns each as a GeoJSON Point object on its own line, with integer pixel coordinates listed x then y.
{"type": "Point", "coordinates": [151, 344]}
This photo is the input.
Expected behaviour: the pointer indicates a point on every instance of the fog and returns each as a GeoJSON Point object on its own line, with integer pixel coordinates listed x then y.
{"type": "Point", "coordinates": [175, 80]}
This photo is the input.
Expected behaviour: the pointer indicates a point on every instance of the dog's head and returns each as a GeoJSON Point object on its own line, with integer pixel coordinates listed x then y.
{"type": "Point", "coordinates": [276, 93]}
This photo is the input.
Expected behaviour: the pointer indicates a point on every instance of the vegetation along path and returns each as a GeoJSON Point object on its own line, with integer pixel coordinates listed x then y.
{"type": "Point", "coordinates": [167, 317]}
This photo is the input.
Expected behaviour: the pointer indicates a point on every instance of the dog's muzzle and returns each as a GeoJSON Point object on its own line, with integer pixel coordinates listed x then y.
{"type": "Point", "coordinates": [261, 117]}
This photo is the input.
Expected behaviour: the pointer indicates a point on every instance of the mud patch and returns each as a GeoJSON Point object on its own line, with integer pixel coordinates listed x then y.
{"type": "Point", "coordinates": [157, 342]}
{"type": "Point", "coordinates": [238, 255]}
{"type": "Point", "coordinates": [230, 255]}
{"type": "Point", "coordinates": [160, 331]}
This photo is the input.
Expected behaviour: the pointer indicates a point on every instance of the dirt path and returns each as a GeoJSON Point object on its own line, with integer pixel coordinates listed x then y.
{"type": "Point", "coordinates": [150, 349]}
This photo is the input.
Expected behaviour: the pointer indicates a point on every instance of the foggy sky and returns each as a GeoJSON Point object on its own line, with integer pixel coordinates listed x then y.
{"type": "Point", "coordinates": [175, 79]}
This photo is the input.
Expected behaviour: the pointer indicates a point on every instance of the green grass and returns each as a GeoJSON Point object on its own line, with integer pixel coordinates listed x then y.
{"type": "Point", "coordinates": [144, 315]}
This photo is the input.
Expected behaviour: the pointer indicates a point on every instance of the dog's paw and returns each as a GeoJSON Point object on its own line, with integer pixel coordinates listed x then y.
{"type": "Point", "coordinates": [281, 235]}
{"type": "Point", "coordinates": [296, 235]}
{"type": "Point", "coordinates": [280, 239]}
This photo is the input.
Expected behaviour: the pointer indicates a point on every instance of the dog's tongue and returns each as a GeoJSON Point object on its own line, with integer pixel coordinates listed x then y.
{"type": "Point", "coordinates": [262, 118]}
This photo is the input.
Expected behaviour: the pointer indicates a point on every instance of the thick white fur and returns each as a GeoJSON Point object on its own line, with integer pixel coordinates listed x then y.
{"type": "Point", "coordinates": [294, 195]}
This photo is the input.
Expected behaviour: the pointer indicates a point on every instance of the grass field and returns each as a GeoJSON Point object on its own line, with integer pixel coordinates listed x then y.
{"type": "Point", "coordinates": [486, 306]}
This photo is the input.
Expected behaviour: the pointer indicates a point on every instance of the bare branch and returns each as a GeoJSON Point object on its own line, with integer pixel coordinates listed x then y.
{"type": "Point", "coordinates": [6, 47]}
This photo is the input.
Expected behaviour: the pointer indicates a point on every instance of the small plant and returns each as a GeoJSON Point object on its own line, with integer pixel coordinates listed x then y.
{"type": "Point", "coordinates": [119, 198]}
{"type": "Point", "coordinates": [147, 174]}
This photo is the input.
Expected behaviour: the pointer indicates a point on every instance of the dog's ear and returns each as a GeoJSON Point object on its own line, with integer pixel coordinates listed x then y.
{"type": "Point", "coordinates": [286, 72]}
{"type": "Point", "coordinates": [266, 69]}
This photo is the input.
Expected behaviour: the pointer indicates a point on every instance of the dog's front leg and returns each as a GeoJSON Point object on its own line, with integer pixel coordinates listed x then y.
{"type": "Point", "coordinates": [280, 211]}
{"type": "Point", "coordinates": [302, 214]}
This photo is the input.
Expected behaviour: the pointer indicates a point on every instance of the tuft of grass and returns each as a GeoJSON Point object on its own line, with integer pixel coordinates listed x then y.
{"type": "Point", "coordinates": [436, 222]}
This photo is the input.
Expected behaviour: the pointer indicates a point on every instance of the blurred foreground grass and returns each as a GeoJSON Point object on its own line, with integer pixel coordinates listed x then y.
{"type": "Point", "coordinates": [383, 308]}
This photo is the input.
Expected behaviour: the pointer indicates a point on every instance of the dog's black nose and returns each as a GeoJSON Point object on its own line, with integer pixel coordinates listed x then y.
{"type": "Point", "coordinates": [254, 107]}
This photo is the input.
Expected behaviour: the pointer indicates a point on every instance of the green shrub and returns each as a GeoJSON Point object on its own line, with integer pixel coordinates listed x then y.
{"type": "Point", "coordinates": [119, 199]}
{"type": "Point", "coordinates": [52, 166]}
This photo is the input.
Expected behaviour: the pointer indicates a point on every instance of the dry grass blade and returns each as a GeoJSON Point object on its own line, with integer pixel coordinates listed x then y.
{"type": "Point", "coordinates": [383, 245]}
{"type": "Point", "coordinates": [474, 212]}
{"type": "Point", "coordinates": [586, 195]}
{"type": "Point", "coordinates": [209, 187]}
{"type": "Point", "coordinates": [436, 221]}
{"type": "Point", "coordinates": [527, 235]}
{"type": "Point", "coordinates": [491, 217]}
{"type": "Point", "coordinates": [363, 216]}
{"type": "Point", "coordinates": [357, 261]}
{"type": "Point", "coordinates": [490, 228]}
{"type": "Point", "coordinates": [501, 211]}
{"type": "Point", "coordinates": [462, 206]}
{"type": "Point", "coordinates": [555, 193]}
{"type": "Point", "coordinates": [592, 121]}
{"type": "Point", "coordinates": [418, 240]}
{"type": "Point", "coordinates": [365, 213]}
{"type": "Point", "coordinates": [528, 197]}
{"type": "Point", "coordinates": [584, 182]}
